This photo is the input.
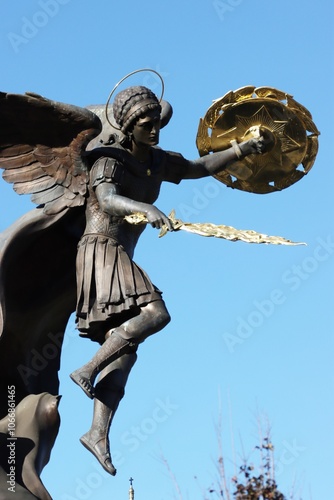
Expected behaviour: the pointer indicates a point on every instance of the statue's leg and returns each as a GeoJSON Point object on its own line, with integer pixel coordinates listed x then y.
{"type": "Point", "coordinates": [109, 391]}
{"type": "Point", "coordinates": [152, 318]}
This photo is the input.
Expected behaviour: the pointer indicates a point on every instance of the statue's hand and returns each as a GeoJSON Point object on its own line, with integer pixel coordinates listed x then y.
{"type": "Point", "coordinates": [257, 145]}
{"type": "Point", "coordinates": [253, 146]}
{"type": "Point", "coordinates": [158, 219]}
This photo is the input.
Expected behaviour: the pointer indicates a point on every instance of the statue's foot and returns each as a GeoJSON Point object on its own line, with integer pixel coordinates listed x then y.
{"type": "Point", "coordinates": [82, 379]}
{"type": "Point", "coordinates": [100, 450]}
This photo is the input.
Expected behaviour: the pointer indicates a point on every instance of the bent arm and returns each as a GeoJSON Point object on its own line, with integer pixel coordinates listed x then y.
{"type": "Point", "coordinates": [113, 203]}
{"type": "Point", "coordinates": [213, 163]}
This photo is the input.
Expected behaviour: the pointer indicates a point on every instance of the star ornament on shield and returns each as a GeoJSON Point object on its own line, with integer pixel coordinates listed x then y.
{"type": "Point", "coordinates": [251, 112]}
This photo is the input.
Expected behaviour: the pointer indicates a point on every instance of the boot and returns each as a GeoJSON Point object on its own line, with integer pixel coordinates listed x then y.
{"type": "Point", "coordinates": [109, 392]}
{"type": "Point", "coordinates": [96, 439]}
{"type": "Point", "coordinates": [113, 347]}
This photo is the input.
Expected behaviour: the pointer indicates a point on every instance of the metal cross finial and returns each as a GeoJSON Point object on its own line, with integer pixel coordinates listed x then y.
{"type": "Point", "coordinates": [131, 490]}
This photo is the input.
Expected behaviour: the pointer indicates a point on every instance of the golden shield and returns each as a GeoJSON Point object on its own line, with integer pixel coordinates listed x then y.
{"type": "Point", "coordinates": [249, 112]}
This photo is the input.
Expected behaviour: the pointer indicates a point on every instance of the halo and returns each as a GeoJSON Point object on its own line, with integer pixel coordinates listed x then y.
{"type": "Point", "coordinates": [122, 80]}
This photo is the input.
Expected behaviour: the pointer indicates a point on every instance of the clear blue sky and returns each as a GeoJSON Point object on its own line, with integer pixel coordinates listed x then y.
{"type": "Point", "coordinates": [281, 365]}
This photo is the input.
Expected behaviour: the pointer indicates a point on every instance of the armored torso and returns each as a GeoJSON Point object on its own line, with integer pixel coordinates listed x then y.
{"type": "Point", "coordinates": [134, 180]}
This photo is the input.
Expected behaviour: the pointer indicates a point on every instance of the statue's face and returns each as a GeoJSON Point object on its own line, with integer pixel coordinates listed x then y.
{"type": "Point", "coordinates": [146, 130]}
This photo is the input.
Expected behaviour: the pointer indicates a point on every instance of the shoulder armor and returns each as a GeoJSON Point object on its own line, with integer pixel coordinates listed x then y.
{"type": "Point", "coordinates": [106, 170]}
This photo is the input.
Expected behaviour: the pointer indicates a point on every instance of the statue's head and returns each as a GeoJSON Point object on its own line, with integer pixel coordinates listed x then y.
{"type": "Point", "coordinates": [133, 103]}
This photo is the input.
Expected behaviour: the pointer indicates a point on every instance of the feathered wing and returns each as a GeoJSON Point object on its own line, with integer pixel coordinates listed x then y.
{"type": "Point", "coordinates": [42, 149]}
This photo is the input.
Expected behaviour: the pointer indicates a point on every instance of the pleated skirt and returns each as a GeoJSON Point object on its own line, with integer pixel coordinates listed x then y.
{"type": "Point", "coordinates": [110, 286]}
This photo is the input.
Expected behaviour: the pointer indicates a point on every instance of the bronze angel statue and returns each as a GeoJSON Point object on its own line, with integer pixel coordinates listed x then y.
{"type": "Point", "coordinates": [74, 251]}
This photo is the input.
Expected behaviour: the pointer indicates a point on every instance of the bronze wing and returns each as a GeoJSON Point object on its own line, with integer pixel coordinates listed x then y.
{"type": "Point", "coordinates": [42, 149]}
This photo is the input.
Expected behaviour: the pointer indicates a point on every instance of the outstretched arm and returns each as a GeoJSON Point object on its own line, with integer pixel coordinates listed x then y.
{"type": "Point", "coordinates": [215, 162]}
